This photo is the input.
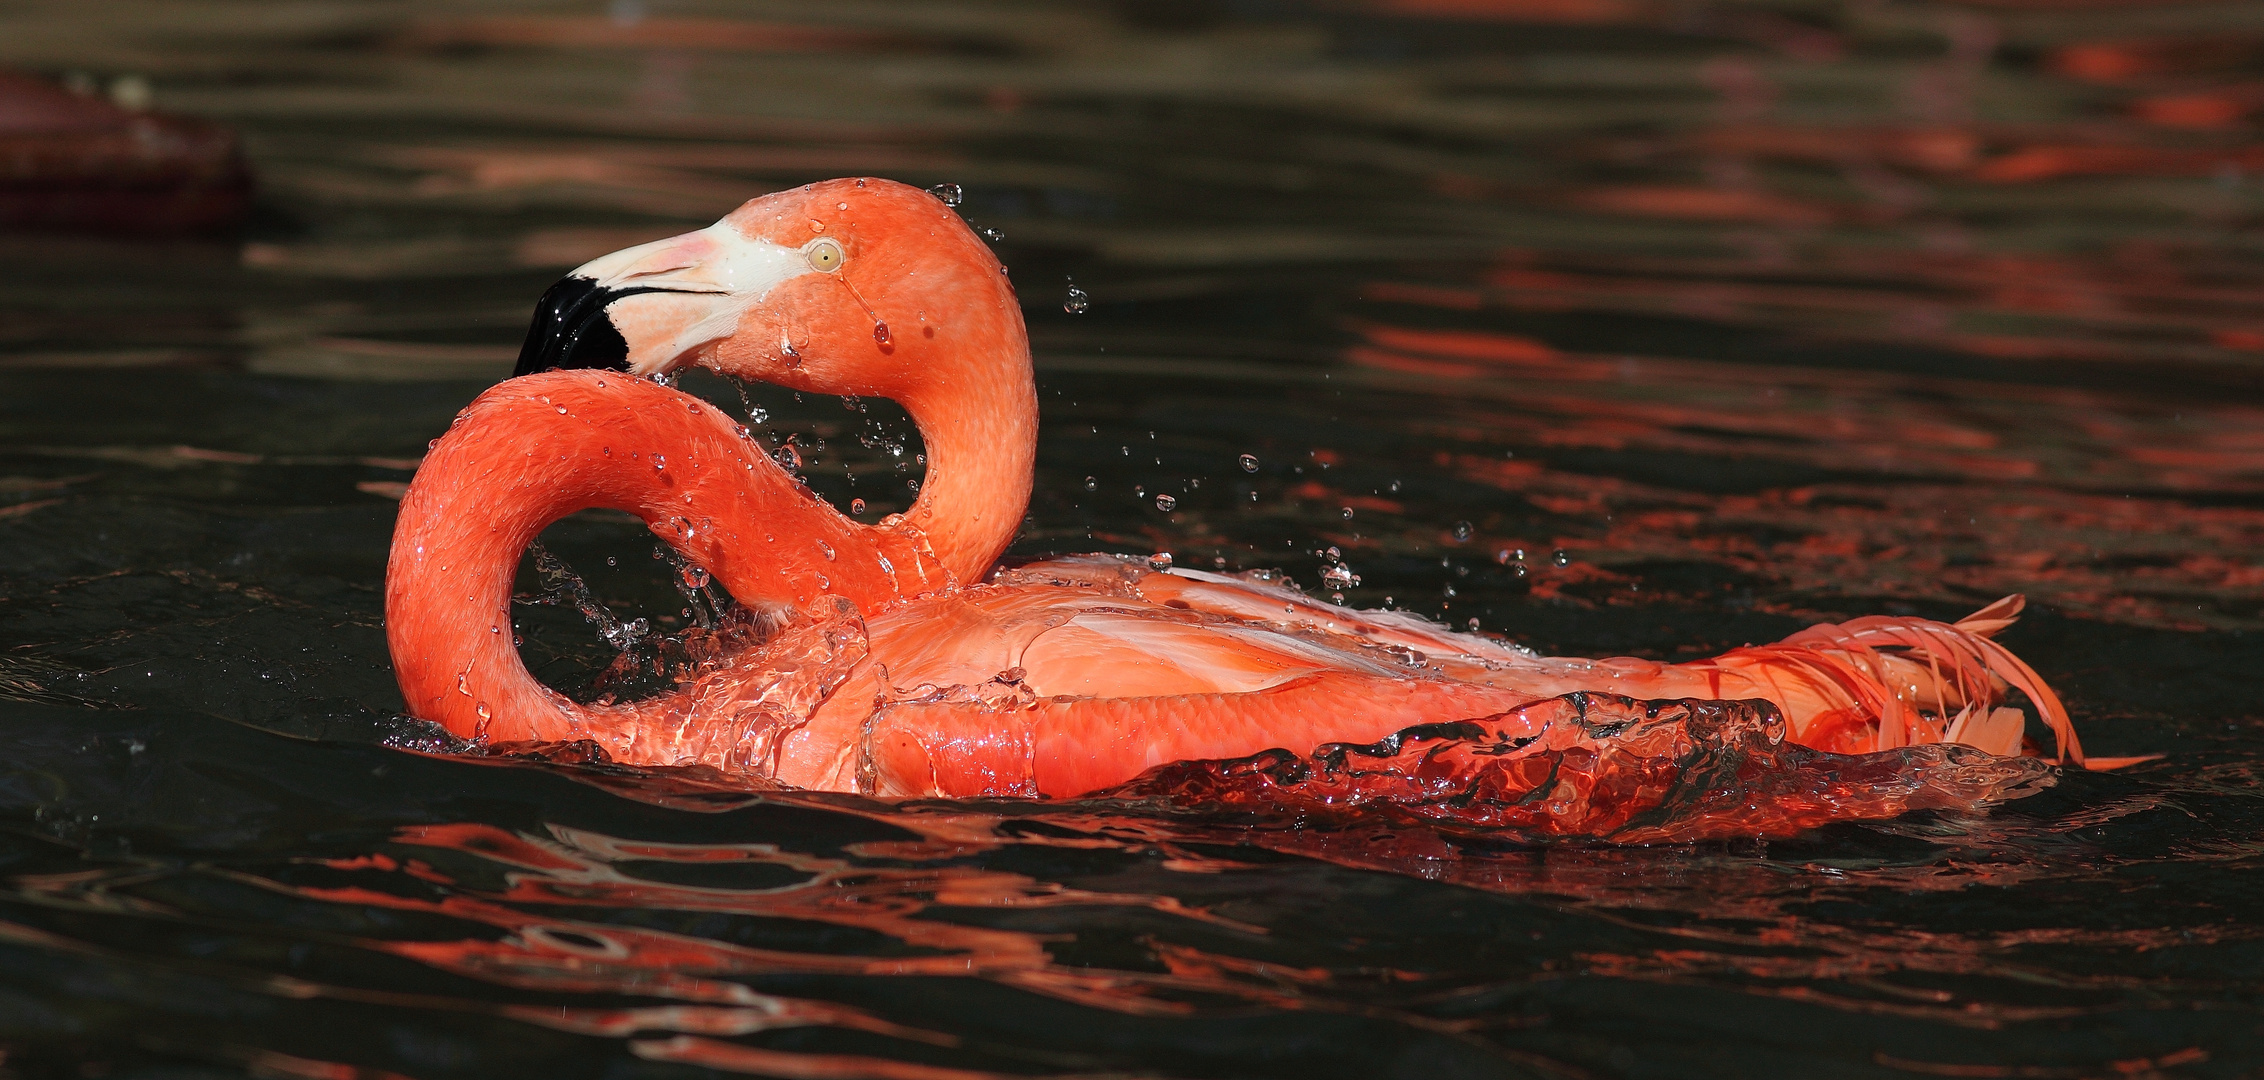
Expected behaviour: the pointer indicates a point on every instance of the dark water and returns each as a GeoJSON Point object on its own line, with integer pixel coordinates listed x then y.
{"type": "Point", "coordinates": [1760, 314]}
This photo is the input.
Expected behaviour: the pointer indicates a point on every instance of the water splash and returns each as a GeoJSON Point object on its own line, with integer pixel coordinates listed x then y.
{"type": "Point", "coordinates": [1602, 768]}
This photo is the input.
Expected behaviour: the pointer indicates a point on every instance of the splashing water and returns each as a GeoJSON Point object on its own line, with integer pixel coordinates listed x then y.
{"type": "Point", "coordinates": [1594, 767]}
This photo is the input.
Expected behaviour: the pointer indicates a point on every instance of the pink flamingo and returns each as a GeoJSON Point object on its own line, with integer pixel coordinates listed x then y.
{"type": "Point", "coordinates": [904, 660]}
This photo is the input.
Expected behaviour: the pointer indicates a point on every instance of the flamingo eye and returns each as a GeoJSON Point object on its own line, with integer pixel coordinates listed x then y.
{"type": "Point", "coordinates": [824, 255]}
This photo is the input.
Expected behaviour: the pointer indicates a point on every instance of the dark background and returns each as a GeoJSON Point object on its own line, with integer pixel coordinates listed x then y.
{"type": "Point", "coordinates": [1759, 313]}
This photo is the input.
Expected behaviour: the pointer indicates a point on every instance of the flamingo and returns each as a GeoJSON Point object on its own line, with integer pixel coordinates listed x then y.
{"type": "Point", "coordinates": [902, 658]}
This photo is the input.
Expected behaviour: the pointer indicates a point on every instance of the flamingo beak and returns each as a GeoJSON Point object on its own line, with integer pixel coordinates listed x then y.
{"type": "Point", "coordinates": [649, 308]}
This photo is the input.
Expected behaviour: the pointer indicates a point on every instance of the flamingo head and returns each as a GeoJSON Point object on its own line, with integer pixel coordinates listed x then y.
{"type": "Point", "coordinates": [853, 286]}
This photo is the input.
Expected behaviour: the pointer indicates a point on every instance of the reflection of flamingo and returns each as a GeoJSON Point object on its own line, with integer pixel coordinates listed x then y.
{"type": "Point", "coordinates": [905, 664]}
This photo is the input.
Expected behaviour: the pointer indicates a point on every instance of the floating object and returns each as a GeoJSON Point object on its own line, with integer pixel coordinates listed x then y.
{"type": "Point", "coordinates": [78, 162]}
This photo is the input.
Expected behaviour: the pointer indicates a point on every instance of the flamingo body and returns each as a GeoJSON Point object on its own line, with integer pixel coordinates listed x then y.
{"type": "Point", "coordinates": [901, 660]}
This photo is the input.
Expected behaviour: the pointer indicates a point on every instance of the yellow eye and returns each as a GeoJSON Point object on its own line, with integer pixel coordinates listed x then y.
{"type": "Point", "coordinates": [824, 255]}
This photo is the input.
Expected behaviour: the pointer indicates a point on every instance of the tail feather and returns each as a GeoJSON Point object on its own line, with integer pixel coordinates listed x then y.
{"type": "Point", "coordinates": [1960, 655]}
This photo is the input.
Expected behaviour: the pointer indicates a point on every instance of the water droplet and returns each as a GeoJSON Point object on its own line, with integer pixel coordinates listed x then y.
{"type": "Point", "coordinates": [1091, 484]}
{"type": "Point", "coordinates": [611, 561]}
{"type": "Point", "coordinates": [1462, 531]}
{"type": "Point", "coordinates": [913, 485]}
{"type": "Point", "coordinates": [1473, 624]}
{"type": "Point", "coordinates": [1166, 502]}
{"type": "Point", "coordinates": [1249, 463]}
{"type": "Point", "coordinates": [825, 549]}
{"type": "Point", "coordinates": [1560, 558]}
{"type": "Point", "coordinates": [1160, 561]}
{"type": "Point", "coordinates": [694, 576]}
{"type": "Point", "coordinates": [494, 629]}
{"type": "Point", "coordinates": [841, 206]}
{"type": "Point", "coordinates": [880, 333]}
{"type": "Point", "coordinates": [856, 506]}
{"type": "Point", "coordinates": [659, 461]}
{"type": "Point", "coordinates": [948, 193]}
{"type": "Point", "coordinates": [561, 410]}
{"type": "Point", "coordinates": [1077, 301]}
{"type": "Point", "coordinates": [694, 406]}
{"type": "Point", "coordinates": [1339, 577]}
{"type": "Point", "coordinates": [1348, 513]}
{"type": "Point", "coordinates": [1450, 591]}
{"type": "Point", "coordinates": [991, 234]}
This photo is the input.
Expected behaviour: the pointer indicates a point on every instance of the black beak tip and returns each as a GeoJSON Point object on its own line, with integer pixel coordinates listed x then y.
{"type": "Point", "coordinates": [571, 330]}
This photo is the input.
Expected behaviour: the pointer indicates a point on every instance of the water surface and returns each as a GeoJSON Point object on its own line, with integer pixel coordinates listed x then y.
{"type": "Point", "coordinates": [1760, 314]}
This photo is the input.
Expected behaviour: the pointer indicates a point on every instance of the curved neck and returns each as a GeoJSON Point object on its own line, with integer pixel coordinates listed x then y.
{"type": "Point", "coordinates": [982, 446]}
{"type": "Point", "coordinates": [535, 449]}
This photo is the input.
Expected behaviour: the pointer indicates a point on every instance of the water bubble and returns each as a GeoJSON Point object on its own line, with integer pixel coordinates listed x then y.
{"type": "Point", "coordinates": [1560, 558]}
{"type": "Point", "coordinates": [880, 333]}
{"type": "Point", "coordinates": [1091, 484]}
{"type": "Point", "coordinates": [1339, 577]}
{"type": "Point", "coordinates": [1077, 301]}
{"type": "Point", "coordinates": [948, 193]}
{"type": "Point", "coordinates": [1462, 531]}
{"type": "Point", "coordinates": [1347, 513]}
{"type": "Point", "coordinates": [1166, 503]}
{"type": "Point", "coordinates": [1249, 463]}
{"type": "Point", "coordinates": [856, 506]}
{"type": "Point", "coordinates": [1160, 561]}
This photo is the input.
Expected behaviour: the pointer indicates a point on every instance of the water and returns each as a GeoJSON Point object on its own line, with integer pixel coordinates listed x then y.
{"type": "Point", "coordinates": [1729, 317]}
